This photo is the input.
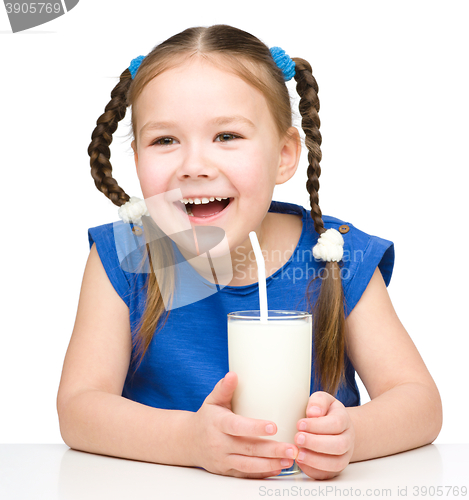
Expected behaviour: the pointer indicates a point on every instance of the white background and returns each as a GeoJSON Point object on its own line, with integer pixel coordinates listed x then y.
{"type": "Point", "coordinates": [393, 83]}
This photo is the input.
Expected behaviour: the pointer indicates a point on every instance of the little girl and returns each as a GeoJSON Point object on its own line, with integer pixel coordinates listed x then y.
{"type": "Point", "coordinates": [146, 373]}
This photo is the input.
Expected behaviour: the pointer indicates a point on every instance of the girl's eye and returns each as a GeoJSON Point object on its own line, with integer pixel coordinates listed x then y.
{"type": "Point", "coordinates": [226, 137]}
{"type": "Point", "coordinates": [164, 141]}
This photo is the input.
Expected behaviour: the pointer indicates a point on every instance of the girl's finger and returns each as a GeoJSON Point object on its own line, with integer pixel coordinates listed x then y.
{"type": "Point", "coordinates": [236, 425]}
{"type": "Point", "coordinates": [262, 475]}
{"type": "Point", "coordinates": [258, 465]}
{"type": "Point", "coordinates": [316, 473]}
{"type": "Point", "coordinates": [338, 444]}
{"type": "Point", "coordinates": [323, 462]}
{"type": "Point", "coordinates": [266, 448]}
{"type": "Point", "coordinates": [335, 422]}
{"type": "Point", "coordinates": [319, 403]}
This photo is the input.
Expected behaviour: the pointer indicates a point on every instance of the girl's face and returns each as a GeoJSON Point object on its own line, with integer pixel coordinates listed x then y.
{"type": "Point", "coordinates": [206, 132]}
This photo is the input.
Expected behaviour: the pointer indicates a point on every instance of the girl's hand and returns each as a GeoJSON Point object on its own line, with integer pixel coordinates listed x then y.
{"type": "Point", "coordinates": [327, 437]}
{"type": "Point", "coordinates": [228, 444]}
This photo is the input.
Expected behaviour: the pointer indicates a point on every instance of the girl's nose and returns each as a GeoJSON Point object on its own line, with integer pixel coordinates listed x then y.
{"type": "Point", "coordinates": [196, 165]}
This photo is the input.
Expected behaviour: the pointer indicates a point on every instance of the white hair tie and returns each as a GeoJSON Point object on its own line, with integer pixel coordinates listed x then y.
{"type": "Point", "coordinates": [330, 246]}
{"type": "Point", "coordinates": [133, 211]}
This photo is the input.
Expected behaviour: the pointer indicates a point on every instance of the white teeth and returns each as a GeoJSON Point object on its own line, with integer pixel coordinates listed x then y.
{"type": "Point", "coordinates": [199, 201]}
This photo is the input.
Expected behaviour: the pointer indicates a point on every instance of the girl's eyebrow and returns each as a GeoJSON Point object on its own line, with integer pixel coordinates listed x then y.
{"type": "Point", "coordinates": [220, 121]}
{"type": "Point", "coordinates": [156, 126]}
{"type": "Point", "coordinates": [227, 120]}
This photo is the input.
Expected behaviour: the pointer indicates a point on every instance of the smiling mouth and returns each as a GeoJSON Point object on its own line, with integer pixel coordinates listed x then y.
{"type": "Point", "coordinates": [204, 207]}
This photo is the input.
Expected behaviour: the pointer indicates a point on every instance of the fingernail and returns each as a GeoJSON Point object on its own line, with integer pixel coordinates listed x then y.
{"type": "Point", "coordinates": [285, 462]}
{"type": "Point", "coordinates": [290, 453]}
{"type": "Point", "coordinates": [301, 439]}
{"type": "Point", "coordinates": [269, 428]}
{"type": "Point", "coordinates": [301, 456]}
{"type": "Point", "coordinates": [302, 425]}
{"type": "Point", "coordinates": [314, 410]}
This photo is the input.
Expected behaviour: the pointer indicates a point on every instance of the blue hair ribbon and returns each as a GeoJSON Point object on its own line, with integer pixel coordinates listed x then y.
{"type": "Point", "coordinates": [135, 64]}
{"type": "Point", "coordinates": [284, 62]}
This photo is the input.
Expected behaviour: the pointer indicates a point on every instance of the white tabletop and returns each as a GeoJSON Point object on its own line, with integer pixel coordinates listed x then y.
{"type": "Point", "coordinates": [53, 471]}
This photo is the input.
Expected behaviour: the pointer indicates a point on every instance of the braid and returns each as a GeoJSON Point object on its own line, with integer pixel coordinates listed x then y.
{"type": "Point", "coordinates": [101, 138]}
{"type": "Point", "coordinates": [329, 318]}
{"type": "Point", "coordinates": [307, 89]}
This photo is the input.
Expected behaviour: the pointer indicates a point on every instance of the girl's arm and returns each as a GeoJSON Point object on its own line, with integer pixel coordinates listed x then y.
{"type": "Point", "coordinates": [405, 409]}
{"type": "Point", "coordinates": [94, 417]}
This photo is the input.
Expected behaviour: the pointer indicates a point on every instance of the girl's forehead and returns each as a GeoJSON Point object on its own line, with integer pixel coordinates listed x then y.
{"type": "Point", "coordinates": [198, 80]}
{"type": "Point", "coordinates": [195, 70]}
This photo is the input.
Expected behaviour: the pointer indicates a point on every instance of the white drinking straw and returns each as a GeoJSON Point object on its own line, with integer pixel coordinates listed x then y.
{"type": "Point", "coordinates": [260, 274]}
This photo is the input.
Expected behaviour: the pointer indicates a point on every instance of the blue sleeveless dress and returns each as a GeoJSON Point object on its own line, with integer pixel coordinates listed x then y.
{"type": "Point", "coordinates": [189, 354]}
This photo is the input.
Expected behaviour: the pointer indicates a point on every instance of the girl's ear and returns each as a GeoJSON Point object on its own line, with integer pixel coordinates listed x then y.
{"type": "Point", "coordinates": [289, 156]}
{"type": "Point", "coordinates": [134, 147]}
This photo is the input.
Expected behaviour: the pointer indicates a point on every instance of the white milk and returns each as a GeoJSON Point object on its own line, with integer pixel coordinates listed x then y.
{"type": "Point", "coordinates": [273, 364]}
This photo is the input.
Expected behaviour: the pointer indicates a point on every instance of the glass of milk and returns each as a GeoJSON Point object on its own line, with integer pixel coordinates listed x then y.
{"type": "Point", "coordinates": [273, 362]}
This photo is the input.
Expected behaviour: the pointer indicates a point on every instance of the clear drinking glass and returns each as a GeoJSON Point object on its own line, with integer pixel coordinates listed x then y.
{"type": "Point", "coordinates": [273, 362]}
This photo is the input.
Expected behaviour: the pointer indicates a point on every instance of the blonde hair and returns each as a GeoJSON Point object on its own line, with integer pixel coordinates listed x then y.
{"type": "Point", "coordinates": [245, 55]}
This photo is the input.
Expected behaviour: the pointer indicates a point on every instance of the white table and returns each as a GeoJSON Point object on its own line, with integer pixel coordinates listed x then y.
{"type": "Point", "coordinates": [53, 471]}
